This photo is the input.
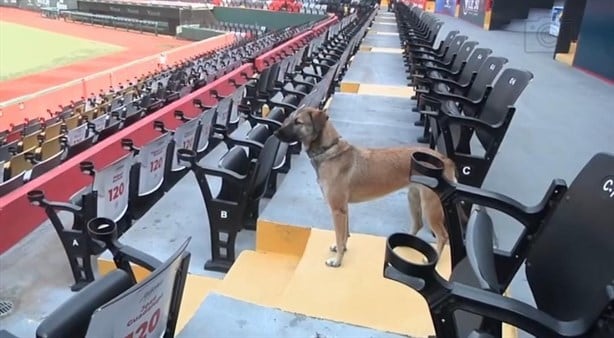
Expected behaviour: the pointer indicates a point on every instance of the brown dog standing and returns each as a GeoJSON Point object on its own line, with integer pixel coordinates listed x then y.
{"type": "Point", "coordinates": [349, 174]}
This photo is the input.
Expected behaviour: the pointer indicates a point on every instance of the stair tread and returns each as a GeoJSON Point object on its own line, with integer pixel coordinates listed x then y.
{"type": "Point", "coordinates": [356, 292]}
{"type": "Point", "coordinates": [259, 277]}
{"type": "Point", "coordinates": [196, 290]}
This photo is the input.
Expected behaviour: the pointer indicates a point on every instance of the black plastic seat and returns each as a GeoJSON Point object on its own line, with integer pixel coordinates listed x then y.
{"type": "Point", "coordinates": [568, 235]}
{"type": "Point", "coordinates": [236, 206]}
{"type": "Point", "coordinates": [474, 88]}
{"type": "Point", "coordinates": [452, 131]}
{"type": "Point", "coordinates": [106, 197]}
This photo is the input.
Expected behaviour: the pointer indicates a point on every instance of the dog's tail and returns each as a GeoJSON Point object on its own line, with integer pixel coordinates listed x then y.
{"type": "Point", "coordinates": [449, 169]}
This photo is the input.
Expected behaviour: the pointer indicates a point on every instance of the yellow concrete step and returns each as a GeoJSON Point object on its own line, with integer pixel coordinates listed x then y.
{"type": "Point", "coordinates": [259, 277]}
{"type": "Point", "coordinates": [356, 293]}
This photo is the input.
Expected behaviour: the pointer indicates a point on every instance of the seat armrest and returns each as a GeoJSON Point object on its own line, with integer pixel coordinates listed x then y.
{"type": "Point", "coordinates": [529, 216]}
{"type": "Point", "coordinates": [514, 312]}
{"type": "Point", "coordinates": [252, 145]}
{"type": "Point", "coordinates": [295, 92]}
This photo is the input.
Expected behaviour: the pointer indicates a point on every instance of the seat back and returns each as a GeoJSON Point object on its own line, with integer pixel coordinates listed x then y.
{"type": "Point", "coordinates": [489, 69]}
{"type": "Point", "coordinates": [184, 138]}
{"type": "Point", "coordinates": [11, 183]}
{"type": "Point", "coordinates": [272, 78]}
{"type": "Point", "coordinates": [151, 164]}
{"type": "Point", "coordinates": [72, 318]}
{"type": "Point", "coordinates": [463, 55]}
{"type": "Point", "coordinates": [263, 81]}
{"type": "Point", "coordinates": [504, 94]}
{"type": "Point", "coordinates": [570, 264]}
{"type": "Point", "coordinates": [474, 62]}
{"type": "Point", "coordinates": [267, 157]}
{"type": "Point", "coordinates": [223, 110]}
{"type": "Point", "coordinates": [454, 48]}
{"type": "Point", "coordinates": [204, 133]}
{"type": "Point", "coordinates": [48, 163]}
{"type": "Point", "coordinates": [234, 160]}
{"type": "Point", "coordinates": [112, 186]}
{"type": "Point", "coordinates": [259, 133]}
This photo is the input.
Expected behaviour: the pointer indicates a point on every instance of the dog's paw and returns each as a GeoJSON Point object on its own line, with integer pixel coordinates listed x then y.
{"type": "Point", "coordinates": [333, 263]}
{"type": "Point", "coordinates": [333, 248]}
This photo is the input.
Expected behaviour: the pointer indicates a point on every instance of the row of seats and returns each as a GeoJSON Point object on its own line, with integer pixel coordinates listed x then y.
{"type": "Point", "coordinates": [237, 27]}
{"type": "Point", "coordinates": [116, 21]}
{"type": "Point", "coordinates": [31, 149]}
{"type": "Point", "coordinates": [133, 183]}
{"type": "Point", "coordinates": [307, 7]}
{"type": "Point", "coordinates": [464, 95]}
{"type": "Point", "coordinates": [245, 170]}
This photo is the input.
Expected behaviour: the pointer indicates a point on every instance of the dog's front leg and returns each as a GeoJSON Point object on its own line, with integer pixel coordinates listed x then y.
{"type": "Point", "coordinates": [340, 219]}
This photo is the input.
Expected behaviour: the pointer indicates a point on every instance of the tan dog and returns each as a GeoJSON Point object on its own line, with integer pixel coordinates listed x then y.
{"type": "Point", "coordinates": [349, 174]}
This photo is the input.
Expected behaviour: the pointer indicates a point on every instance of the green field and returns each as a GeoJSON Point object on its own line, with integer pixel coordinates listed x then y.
{"type": "Point", "coordinates": [25, 50]}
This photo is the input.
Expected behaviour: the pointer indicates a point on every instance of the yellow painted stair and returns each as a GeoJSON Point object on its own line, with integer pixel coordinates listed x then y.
{"type": "Point", "coordinates": [287, 272]}
{"type": "Point", "coordinates": [259, 277]}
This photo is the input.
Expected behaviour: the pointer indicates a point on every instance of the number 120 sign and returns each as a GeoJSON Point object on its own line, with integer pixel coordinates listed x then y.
{"type": "Point", "coordinates": [111, 183]}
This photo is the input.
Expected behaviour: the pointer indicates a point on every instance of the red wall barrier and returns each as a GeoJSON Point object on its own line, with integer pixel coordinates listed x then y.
{"type": "Point", "coordinates": [18, 218]}
{"type": "Point", "coordinates": [35, 105]}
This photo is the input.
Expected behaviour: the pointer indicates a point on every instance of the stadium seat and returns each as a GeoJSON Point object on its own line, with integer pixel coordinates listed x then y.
{"type": "Point", "coordinates": [565, 305]}
{"type": "Point", "coordinates": [237, 202]}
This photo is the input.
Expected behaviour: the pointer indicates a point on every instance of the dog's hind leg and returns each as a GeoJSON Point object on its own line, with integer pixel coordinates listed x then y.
{"type": "Point", "coordinates": [415, 209]}
{"type": "Point", "coordinates": [433, 211]}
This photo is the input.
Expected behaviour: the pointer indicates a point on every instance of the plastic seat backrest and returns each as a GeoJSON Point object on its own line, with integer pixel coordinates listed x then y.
{"type": "Point", "coordinates": [486, 74]}
{"type": "Point", "coordinates": [510, 84]}
{"type": "Point", "coordinates": [46, 165]}
{"type": "Point", "coordinates": [234, 160]}
{"type": "Point", "coordinates": [463, 55]}
{"type": "Point", "coordinates": [474, 62]}
{"type": "Point", "coordinates": [570, 264]}
{"type": "Point", "coordinates": [259, 134]}
{"type": "Point", "coordinates": [71, 319]}
{"type": "Point", "coordinates": [454, 48]}
{"type": "Point", "coordinates": [267, 157]}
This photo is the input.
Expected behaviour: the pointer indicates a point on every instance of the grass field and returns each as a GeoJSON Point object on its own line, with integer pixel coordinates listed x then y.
{"type": "Point", "coordinates": [25, 50]}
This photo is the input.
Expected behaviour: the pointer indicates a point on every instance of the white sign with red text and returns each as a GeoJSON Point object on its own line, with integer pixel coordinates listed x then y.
{"type": "Point", "coordinates": [206, 120]}
{"type": "Point", "coordinates": [185, 136]}
{"type": "Point", "coordinates": [111, 183]}
{"type": "Point", "coordinates": [77, 135]}
{"type": "Point", "coordinates": [143, 310]}
{"type": "Point", "coordinates": [153, 159]}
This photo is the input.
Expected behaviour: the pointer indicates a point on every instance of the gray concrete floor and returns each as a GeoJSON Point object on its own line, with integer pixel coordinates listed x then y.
{"type": "Point", "coordinates": [242, 319]}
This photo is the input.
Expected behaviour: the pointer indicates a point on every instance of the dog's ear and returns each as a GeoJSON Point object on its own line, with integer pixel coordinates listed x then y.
{"type": "Point", "coordinates": [319, 118]}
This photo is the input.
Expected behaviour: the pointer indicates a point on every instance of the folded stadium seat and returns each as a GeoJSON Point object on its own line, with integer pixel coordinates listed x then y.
{"type": "Point", "coordinates": [29, 142]}
{"type": "Point", "coordinates": [472, 84]}
{"type": "Point", "coordinates": [16, 171]}
{"type": "Point", "coordinates": [7, 150]}
{"type": "Point", "coordinates": [48, 156]}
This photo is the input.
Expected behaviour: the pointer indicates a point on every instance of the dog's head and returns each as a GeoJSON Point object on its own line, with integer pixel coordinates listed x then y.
{"type": "Point", "coordinates": [304, 125]}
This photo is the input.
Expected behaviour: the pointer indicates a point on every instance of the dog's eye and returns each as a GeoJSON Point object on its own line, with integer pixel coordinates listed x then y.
{"type": "Point", "coordinates": [297, 122]}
